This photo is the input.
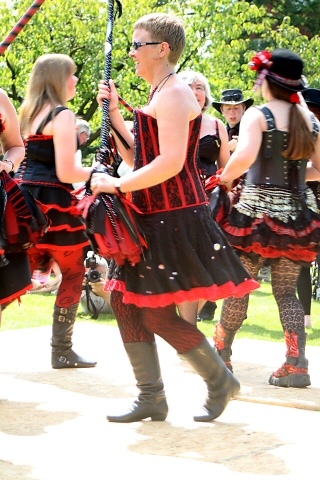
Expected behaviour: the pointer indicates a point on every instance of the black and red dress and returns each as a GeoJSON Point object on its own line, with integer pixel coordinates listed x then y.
{"type": "Point", "coordinates": [188, 257]}
{"type": "Point", "coordinates": [21, 224]}
{"type": "Point", "coordinates": [37, 174]}
{"type": "Point", "coordinates": [277, 213]}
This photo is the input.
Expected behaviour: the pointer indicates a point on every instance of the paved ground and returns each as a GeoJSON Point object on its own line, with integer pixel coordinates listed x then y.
{"type": "Point", "coordinates": [53, 426]}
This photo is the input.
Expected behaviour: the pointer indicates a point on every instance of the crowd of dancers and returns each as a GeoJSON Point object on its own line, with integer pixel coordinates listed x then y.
{"type": "Point", "coordinates": [193, 257]}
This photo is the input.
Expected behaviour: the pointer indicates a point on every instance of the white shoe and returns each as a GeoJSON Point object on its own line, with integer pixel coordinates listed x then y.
{"type": "Point", "coordinates": [307, 321]}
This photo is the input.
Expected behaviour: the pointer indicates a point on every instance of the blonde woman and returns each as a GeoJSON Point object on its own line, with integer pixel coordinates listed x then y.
{"type": "Point", "coordinates": [48, 171]}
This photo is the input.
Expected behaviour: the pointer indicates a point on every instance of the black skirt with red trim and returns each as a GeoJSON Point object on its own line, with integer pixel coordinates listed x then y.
{"type": "Point", "coordinates": [67, 229]}
{"type": "Point", "coordinates": [188, 259]}
{"type": "Point", "coordinates": [274, 222]}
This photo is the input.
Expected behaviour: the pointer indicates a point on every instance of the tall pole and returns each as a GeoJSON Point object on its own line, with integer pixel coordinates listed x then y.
{"type": "Point", "coordinates": [20, 25]}
{"type": "Point", "coordinates": [106, 124]}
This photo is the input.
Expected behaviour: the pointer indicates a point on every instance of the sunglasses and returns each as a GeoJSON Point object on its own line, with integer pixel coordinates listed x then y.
{"type": "Point", "coordinates": [136, 45]}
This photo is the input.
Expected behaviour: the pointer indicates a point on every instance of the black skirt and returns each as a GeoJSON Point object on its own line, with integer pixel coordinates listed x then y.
{"type": "Point", "coordinates": [188, 259]}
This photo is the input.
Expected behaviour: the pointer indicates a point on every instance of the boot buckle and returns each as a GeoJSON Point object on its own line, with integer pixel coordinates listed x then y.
{"type": "Point", "coordinates": [62, 359]}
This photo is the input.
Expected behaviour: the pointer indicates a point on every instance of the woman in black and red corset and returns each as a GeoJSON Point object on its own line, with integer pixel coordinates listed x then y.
{"type": "Point", "coordinates": [276, 216]}
{"type": "Point", "coordinates": [188, 257]}
{"type": "Point", "coordinates": [48, 171]}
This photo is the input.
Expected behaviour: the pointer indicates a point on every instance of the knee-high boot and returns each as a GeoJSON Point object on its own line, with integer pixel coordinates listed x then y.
{"type": "Point", "coordinates": [222, 384]}
{"type": "Point", "coordinates": [151, 401]}
{"type": "Point", "coordinates": [62, 355]}
{"type": "Point", "coordinates": [223, 340]}
{"type": "Point", "coordinates": [294, 372]}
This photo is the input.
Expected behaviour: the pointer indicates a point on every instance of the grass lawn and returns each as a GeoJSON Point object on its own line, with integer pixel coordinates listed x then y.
{"type": "Point", "coordinates": [262, 323]}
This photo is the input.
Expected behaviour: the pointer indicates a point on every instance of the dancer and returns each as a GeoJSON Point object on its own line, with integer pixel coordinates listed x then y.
{"type": "Point", "coordinates": [15, 275]}
{"type": "Point", "coordinates": [187, 257]}
{"type": "Point", "coordinates": [48, 171]}
{"type": "Point", "coordinates": [276, 217]}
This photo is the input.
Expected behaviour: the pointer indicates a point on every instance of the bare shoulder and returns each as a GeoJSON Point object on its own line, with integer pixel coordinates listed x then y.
{"type": "Point", "coordinates": [177, 97]}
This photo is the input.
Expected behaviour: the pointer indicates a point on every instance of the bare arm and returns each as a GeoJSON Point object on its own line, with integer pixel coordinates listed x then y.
{"type": "Point", "coordinates": [249, 142]}
{"type": "Point", "coordinates": [65, 145]}
{"type": "Point", "coordinates": [313, 167]}
{"type": "Point", "coordinates": [173, 110]}
{"type": "Point", "coordinates": [11, 141]}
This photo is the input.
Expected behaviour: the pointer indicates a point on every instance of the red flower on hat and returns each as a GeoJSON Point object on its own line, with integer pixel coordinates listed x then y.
{"type": "Point", "coordinates": [261, 60]}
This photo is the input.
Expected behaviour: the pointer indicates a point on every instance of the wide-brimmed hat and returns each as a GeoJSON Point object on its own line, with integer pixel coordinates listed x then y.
{"type": "Point", "coordinates": [282, 67]}
{"type": "Point", "coordinates": [233, 96]}
{"type": "Point", "coordinates": [312, 96]}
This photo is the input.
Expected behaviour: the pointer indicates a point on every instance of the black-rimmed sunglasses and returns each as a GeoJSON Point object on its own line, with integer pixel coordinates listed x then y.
{"type": "Point", "coordinates": [136, 45]}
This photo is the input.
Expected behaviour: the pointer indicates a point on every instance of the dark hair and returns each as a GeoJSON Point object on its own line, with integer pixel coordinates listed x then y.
{"type": "Point", "coordinates": [301, 140]}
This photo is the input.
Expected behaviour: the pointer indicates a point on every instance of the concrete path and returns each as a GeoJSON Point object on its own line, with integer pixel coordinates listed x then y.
{"type": "Point", "coordinates": [53, 425]}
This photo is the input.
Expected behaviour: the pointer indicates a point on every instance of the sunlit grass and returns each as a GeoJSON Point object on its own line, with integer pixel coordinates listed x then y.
{"type": "Point", "coordinates": [262, 323]}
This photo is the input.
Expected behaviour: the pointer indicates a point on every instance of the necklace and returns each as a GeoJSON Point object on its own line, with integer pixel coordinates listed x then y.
{"type": "Point", "coordinates": [158, 87]}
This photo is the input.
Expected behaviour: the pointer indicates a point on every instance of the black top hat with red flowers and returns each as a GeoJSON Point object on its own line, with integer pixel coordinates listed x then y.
{"type": "Point", "coordinates": [282, 67]}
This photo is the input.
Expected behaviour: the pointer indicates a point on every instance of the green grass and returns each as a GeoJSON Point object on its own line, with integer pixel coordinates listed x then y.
{"type": "Point", "coordinates": [262, 323]}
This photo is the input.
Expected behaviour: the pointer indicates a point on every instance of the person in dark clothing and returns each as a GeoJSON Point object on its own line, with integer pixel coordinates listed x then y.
{"type": "Point", "coordinates": [232, 106]}
{"type": "Point", "coordinates": [15, 274]}
{"type": "Point", "coordinates": [276, 217]}
{"type": "Point", "coordinates": [187, 258]}
{"type": "Point", "coordinates": [48, 172]}
{"type": "Point", "coordinates": [304, 287]}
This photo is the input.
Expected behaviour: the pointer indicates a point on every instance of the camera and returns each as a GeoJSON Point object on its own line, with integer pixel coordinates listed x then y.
{"type": "Point", "coordinates": [92, 275]}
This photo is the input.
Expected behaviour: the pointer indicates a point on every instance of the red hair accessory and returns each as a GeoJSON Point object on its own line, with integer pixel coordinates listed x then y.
{"type": "Point", "coordinates": [261, 63]}
{"type": "Point", "coordinates": [294, 98]}
{"type": "Point", "coordinates": [261, 60]}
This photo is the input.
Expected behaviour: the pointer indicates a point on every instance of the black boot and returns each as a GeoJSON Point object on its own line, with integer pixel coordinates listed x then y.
{"type": "Point", "coordinates": [223, 340]}
{"type": "Point", "coordinates": [151, 401]}
{"type": "Point", "coordinates": [222, 384]}
{"type": "Point", "coordinates": [294, 372]}
{"type": "Point", "coordinates": [207, 311]}
{"type": "Point", "coordinates": [62, 355]}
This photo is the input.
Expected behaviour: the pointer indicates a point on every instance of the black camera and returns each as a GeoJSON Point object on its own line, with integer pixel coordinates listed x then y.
{"type": "Point", "coordinates": [93, 275]}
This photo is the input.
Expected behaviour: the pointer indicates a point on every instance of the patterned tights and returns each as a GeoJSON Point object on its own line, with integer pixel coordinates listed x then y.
{"type": "Point", "coordinates": [140, 325]}
{"type": "Point", "coordinates": [284, 278]}
{"type": "Point", "coordinates": [71, 263]}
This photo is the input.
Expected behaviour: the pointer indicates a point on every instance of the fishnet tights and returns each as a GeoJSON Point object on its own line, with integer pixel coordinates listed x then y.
{"type": "Point", "coordinates": [284, 278]}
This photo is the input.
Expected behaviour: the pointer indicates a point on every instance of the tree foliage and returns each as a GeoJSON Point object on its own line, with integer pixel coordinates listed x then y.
{"type": "Point", "coordinates": [222, 36]}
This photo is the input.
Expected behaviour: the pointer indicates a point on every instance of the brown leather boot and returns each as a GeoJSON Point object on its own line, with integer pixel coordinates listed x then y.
{"type": "Point", "coordinates": [294, 372]}
{"type": "Point", "coordinates": [223, 340]}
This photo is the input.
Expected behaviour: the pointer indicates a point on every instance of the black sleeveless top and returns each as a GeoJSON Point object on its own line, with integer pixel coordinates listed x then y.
{"type": "Point", "coordinates": [209, 150]}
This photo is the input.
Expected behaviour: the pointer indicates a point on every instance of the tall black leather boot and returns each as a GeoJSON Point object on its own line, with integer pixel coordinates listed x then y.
{"type": "Point", "coordinates": [294, 372]}
{"type": "Point", "coordinates": [62, 355]}
{"type": "Point", "coordinates": [223, 340]}
{"type": "Point", "coordinates": [151, 401]}
{"type": "Point", "coordinates": [222, 384]}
